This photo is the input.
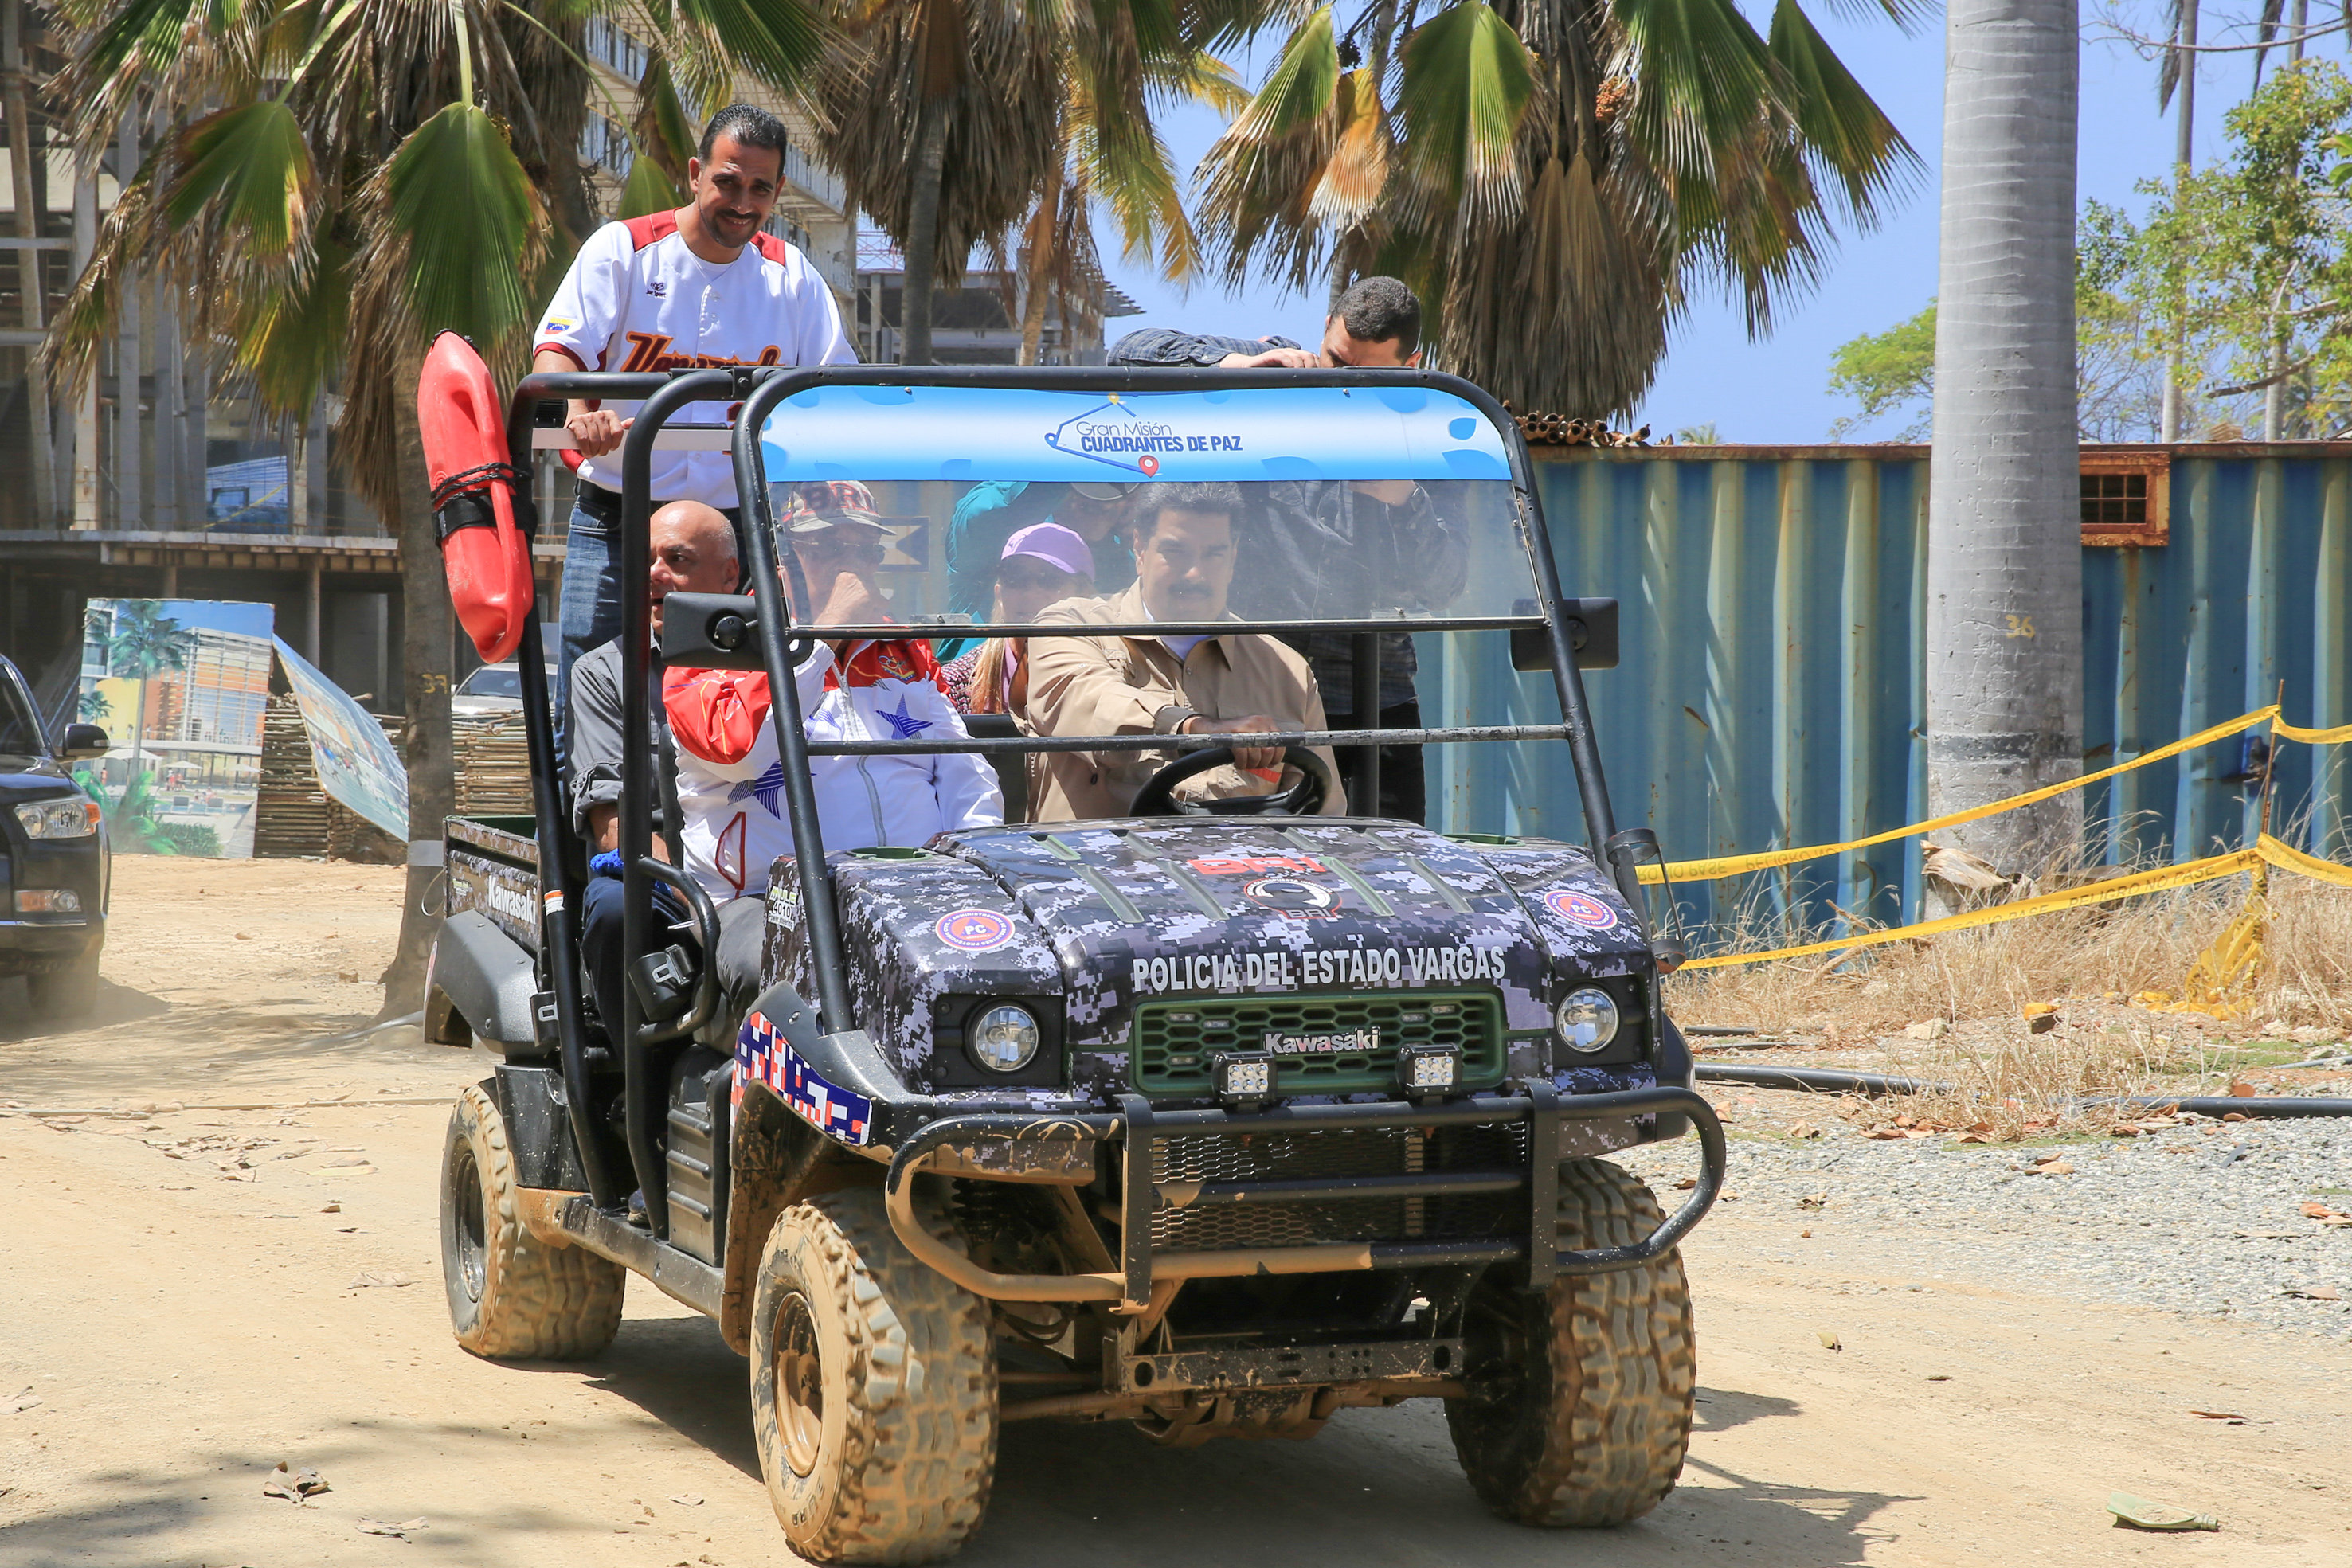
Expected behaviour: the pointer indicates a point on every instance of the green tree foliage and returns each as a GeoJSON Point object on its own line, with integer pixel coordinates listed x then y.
{"type": "Point", "coordinates": [2251, 260]}
{"type": "Point", "coordinates": [1886, 372]}
{"type": "Point", "coordinates": [1554, 178]}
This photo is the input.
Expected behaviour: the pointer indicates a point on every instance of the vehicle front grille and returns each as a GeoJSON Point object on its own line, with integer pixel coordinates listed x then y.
{"type": "Point", "coordinates": [1371, 1151]}
{"type": "Point", "coordinates": [1174, 1039]}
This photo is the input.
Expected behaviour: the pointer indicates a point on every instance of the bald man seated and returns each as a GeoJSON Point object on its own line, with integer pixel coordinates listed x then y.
{"type": "Point", "coordinates": [693, 549]}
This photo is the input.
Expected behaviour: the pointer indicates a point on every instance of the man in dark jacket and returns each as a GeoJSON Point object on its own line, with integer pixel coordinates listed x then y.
{"type": "Point", "coordinates": [1328, 550]}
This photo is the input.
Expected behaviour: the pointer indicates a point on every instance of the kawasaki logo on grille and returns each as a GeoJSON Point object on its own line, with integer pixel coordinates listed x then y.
{"type": "Point", "coordinates": [1347, 1043]}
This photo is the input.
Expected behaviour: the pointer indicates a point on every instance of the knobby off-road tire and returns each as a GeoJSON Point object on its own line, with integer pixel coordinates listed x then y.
{"type": "Point", "coordinates": [1580, 1404]}
{"type": "Point", "coordinates": [873, 1389]}
{"type": "Point", "coordinates": [510, 1295]}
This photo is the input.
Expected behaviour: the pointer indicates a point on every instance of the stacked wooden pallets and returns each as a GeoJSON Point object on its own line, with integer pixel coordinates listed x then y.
{"type": "Point", "coordinates": [294, 818]}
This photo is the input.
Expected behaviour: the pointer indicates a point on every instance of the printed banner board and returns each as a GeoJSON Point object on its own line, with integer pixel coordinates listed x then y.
{"type": "Point", "coordinates": [356, 763]}
{"type": "Point", "coordinates": [179, 685]}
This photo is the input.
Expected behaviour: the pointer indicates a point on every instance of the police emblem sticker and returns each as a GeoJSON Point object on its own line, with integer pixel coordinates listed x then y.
{"type": "Point", "coordinates": [1580, 909]}
{"type": "Point", "coordinates": [974, 930]}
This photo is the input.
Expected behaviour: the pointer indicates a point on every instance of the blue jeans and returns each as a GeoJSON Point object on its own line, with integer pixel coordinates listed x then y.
{"type": "Point", "coordinates": [592, 601]}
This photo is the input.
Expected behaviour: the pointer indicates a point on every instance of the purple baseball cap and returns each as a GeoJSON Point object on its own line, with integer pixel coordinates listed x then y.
{"type": "Point", "coordinates": [1060, 547]}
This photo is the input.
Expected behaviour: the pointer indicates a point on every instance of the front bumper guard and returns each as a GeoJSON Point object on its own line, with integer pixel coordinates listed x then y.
{"type": "Point", "coordinates": [1146, 1276]}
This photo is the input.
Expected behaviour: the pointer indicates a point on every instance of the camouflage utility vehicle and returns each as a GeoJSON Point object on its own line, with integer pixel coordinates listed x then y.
{"type": "Point", "coordinates": [1218, 1118]}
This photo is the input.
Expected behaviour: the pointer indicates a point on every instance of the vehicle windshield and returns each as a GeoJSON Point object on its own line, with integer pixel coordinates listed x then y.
{"type": "Point", "coordinates": [20, 730]}
{"type": "Point", "coordinates": [493, 681]}
{"type": "Point", "coordinates": [1371, 506]}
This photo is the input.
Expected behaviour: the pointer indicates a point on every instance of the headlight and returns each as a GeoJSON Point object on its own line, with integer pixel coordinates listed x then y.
{"type": "Point", "coordinates": [1004, 1039]}
{"type": "Point", "coordinates": [1588, 1018]}
{"type": "Point", "coordinates": [64, 816]}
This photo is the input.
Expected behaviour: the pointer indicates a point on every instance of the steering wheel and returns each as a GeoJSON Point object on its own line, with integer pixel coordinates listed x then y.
{"type": "Point", "coordinates": [1158, 796]}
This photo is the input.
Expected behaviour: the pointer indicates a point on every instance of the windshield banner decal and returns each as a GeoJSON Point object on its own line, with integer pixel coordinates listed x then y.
{"type": "Point", "coordinates": [1250, 433]}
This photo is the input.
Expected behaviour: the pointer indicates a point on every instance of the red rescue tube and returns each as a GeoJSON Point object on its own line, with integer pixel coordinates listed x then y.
{"type": "Point", "coordinates": [481, 504]}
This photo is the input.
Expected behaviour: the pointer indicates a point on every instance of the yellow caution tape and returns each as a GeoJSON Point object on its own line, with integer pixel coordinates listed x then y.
{"type": "Point", "coordinates": [2287, 858]}
{"type": "Point", "coordinates": [1737, 865]}
{"type": "Point", "coordinates": [2286, 731]}
{"type": "Point", "coordinates": [2210, 869]}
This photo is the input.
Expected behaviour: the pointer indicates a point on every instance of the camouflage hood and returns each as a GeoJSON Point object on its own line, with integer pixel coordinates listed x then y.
{"type": "Point", "coordinates": [1120, 919]}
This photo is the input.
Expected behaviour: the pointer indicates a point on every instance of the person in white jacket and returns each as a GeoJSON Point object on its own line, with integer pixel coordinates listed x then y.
{"type": "Point", "coordinates": [730, 776]}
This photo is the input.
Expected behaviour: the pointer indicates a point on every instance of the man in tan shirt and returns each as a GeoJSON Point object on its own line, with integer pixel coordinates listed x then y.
{"type": "Point", "coordinates": [1236, 684]}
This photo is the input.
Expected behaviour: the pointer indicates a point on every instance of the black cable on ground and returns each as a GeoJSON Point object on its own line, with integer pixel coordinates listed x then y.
{"type": "Point", "coordinates": [1828, 1081]}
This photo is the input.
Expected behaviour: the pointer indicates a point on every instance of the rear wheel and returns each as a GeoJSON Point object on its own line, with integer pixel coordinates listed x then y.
{"type": "Point", "coordinates": [1579, 1408]}
{"type": "Point", "coordinates": [873, 1389]}
{"type": "Point", "coordinates": [510, 1295]}
{"type": "Point", "coordinates": [70, 992]}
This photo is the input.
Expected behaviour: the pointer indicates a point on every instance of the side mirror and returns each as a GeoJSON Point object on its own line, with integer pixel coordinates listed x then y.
{"type": "Point", "coordinates": [82, 742]}
{"type": "Point", "coordinates": [1591, 634]}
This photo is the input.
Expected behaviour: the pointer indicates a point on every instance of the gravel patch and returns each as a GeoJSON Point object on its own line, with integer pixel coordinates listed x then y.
{"type": "Point", "coordinates": [2204, 1219]}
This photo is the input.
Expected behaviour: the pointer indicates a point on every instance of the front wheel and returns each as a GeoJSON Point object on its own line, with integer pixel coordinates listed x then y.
{"type": "Point", "coordinates": [1579, 1409]}
{"type": "Point", "coordinates": [510, 1295]}
{"type": "Point", "coordinates": [873, 1389]}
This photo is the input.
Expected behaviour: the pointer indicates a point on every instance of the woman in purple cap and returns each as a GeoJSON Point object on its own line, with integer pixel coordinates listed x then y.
{"type": "Point", "coordinates": [1042, 564]}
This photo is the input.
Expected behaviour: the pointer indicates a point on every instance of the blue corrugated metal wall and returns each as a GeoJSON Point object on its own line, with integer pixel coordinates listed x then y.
{"type": "Point", "coordinates": [1770, 692]}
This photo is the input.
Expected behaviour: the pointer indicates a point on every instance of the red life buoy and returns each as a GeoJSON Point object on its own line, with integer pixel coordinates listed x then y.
{"type": "Point", "coordinates": [482, 511]}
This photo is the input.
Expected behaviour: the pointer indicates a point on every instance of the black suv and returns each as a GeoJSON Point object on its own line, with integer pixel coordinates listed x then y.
{"type": "Point", "coordinates": [54, 859]}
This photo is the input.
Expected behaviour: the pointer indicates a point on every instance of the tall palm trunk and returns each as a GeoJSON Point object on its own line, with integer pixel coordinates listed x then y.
{"type": "Point", "coordinates": [425, 663]}
{"type": "Point", "coordinates": [29, 287]}
{"type": "Point", "coordinates": [2004, 554]}
{"type": "Point", "coordinates": [923, 231]}
{"type": "Point", "coordinates": [1042, 229]}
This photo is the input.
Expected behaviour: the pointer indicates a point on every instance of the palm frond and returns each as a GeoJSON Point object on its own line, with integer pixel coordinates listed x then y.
{"type": "Point", "coordinates": [464, 222]}
{"type": "Point", "coordinates": [250, 163]}
{"type": "Point", "coordinates": [1297, 92]}
{"type": "Point", "coordinates": [1700, 73]}
{"type": "Point", "coordinates": [1466, 83]}
{"type": "Point", "coordinates": [290, 342]}
{"type": "Point", "coordinates": [1845, 134]}
{"type": "Point", "coordinates": [779, 41]}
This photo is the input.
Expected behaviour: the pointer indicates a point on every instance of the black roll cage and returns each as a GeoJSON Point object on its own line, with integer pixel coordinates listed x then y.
{"type": "Point", "coordinates": [782, 642]}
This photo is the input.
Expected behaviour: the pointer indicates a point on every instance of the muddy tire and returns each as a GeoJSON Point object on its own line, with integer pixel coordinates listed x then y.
{"type": "Point", "coordinates": [1580, 1404]}
{"type": "Point", "coordinates": [68, 991]}
{"type": "Point", "coordinates": [511, 1295]}
{"type": "Point", "coordinates": [873, 1389]}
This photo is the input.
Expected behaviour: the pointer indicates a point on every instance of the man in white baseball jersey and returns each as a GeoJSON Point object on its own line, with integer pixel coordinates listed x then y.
{"type": "Point", "coordinates": [700, 287]}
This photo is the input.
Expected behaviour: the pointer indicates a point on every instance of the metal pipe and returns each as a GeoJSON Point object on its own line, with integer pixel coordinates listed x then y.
{"type": "Point", "coordinates": [1313, 1189]}
{"type": "Point", "coordinates": [1367, 714]}
{"type": "Point", "coordinates": [643, 1105]}
{"type": "Point", "coordinates": [833, 1012]}
{"type": "Point", "coordinates": [1008, 746]}
{"type": "Point", "coordinates": [1828, 1081]}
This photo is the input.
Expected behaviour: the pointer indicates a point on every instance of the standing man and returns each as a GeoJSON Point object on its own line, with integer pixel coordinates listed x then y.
{"type": "Point", "coordinates": [696, 287]}
{"type": "Point", "coordinates": [1324, 550]}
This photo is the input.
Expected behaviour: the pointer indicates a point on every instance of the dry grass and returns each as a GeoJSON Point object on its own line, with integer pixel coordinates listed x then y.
{"type": "Point", "coordinates": [2096, 966]}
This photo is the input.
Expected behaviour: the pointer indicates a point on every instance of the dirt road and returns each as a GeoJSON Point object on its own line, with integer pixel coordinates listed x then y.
{"type": "Point", "coordinates": [187, 1322]}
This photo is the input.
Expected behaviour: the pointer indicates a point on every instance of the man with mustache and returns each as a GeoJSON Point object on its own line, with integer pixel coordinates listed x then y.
{"type": "Point", "coordinates": [697, 288]}
{"type": "Point", "coordinates": [1227, 684]}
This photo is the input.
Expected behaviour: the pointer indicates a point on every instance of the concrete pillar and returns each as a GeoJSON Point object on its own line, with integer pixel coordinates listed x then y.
{"type": "Point", "coordinates": [171, 414]}
{"type": "Point", "coordinates": [310, 595]}
{"type": "Point", "coordinates": [85, 421]}
{"type": "Point", "coordinates": [170, 579]}
{"type": "Point", "coordinates": [129, 468]}
{"type": "Point", "coordinates": [319, 522]}
{"type": "Point", "coordinates": [195, 397]}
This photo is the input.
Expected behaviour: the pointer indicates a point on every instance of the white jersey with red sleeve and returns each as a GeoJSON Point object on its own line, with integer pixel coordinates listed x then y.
{"type": "Point", "coordinates": [637, 299]}
{"type": "Point", "coordinates": [731, 779]}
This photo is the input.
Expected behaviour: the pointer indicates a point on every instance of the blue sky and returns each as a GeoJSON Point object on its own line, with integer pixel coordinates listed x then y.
{"type": "Point", "coordinates": [1776, 390]}
{"type": "Point", "coordinates": [221, 615]}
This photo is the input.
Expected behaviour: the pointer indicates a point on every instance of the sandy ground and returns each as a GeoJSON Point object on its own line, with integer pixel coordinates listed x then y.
{"type": "Point", "coordinates": [181, 1324]}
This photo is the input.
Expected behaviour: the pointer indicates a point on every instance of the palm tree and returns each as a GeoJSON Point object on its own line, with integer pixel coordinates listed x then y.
{"type": "Point", "coordinates": [1553, 177]}
{"type": "Point", "coordinates": [939, 115]}
{"type": "Point", "coordinates": [1107, 148]}
{"type": "Point", "coordinates": [142, 642]}
{"type": "Point", "coordinates": [340, 184]}
{"type": "Point", "coordinates": [2004, 559]}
